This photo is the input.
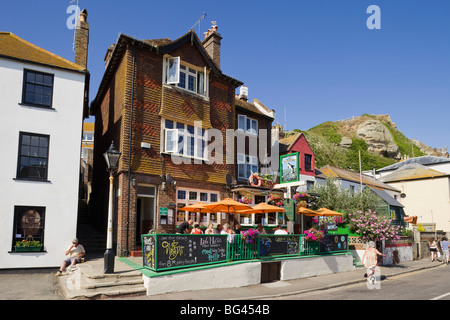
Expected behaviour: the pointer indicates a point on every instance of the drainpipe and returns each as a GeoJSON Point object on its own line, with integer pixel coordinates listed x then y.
{"type": "Point", "coordinates": [130, 147]}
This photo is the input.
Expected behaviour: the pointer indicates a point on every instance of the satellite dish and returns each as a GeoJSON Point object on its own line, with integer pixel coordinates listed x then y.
{"type": "Point", "coordinates": [402, 195]}
{"type": "Point", "coordinates": [169, 178]}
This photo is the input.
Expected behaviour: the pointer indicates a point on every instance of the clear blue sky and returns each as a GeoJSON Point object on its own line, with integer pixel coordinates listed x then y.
{"type": "Point", "coordinates": [315, 59]}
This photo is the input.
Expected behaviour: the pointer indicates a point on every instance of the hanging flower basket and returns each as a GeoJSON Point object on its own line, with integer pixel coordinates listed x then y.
{"type": "Point", "coordinates": [276, 201]}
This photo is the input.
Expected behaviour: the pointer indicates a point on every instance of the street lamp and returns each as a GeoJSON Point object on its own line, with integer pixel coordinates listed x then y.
{"type": "Point", "coordinates": [112, 160]}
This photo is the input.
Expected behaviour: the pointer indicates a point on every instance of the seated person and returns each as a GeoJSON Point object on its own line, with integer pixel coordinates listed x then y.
{"type": "Point", "coordinates": [75, 253]}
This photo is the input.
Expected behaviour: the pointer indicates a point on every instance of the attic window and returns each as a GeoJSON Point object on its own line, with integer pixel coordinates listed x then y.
{"type": "Point", "coordinates": [186, 77]}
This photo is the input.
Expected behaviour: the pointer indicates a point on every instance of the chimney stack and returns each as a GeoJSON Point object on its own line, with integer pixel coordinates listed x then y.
{"type": "Point", "coordinates": [109, 54]}
{"type": "Point", "coordinates": [243, 93]}
{"type": "Point", "coordinates": [211, 43]}
{"type": "Point", "coordinates": [82, 40]}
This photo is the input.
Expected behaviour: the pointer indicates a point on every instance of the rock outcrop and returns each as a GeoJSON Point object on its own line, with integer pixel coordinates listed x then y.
{"type": "Point", "coordinates": [378, 138]}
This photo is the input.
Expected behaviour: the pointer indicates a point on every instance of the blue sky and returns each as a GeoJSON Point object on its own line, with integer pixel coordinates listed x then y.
{"type": "Point", "coordinates": [314, 61]}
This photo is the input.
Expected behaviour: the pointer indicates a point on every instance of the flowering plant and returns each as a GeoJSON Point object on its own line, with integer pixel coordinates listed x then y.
{"type": "Point", "coordinates": [371, 227]}
{"type": "Point", "coordinates": [28, 243]}
{"type": "Point", "coordinates": [246, 199]}
{"type": "Point", "coordinates": [338, 220]}
{"type": "Point", "coordinates": [250, 235]}
{"type": "Point", "coordinates": [314, 235]}
{"type": "Point", "coordinates": [276, 200]}
{"type": "Point", "coordinates": [299, 196]}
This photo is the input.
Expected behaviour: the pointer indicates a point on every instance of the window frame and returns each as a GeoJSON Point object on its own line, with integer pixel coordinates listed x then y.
{"type": "Point", "coordinates": [186, 134]}
{"type": "Point", "coordinates": [26, 82]}
{"type": "Point", "coordinates": [249, 162]}
{"type": "Point", "coordinates": [188, 200]}
{"type": "Point", "coordinates": [21, 210]}
{"type": "Point", "coordinates": [247, 124]}
{"type": "Point", "coordinates": [19, 175]}
{"type": "Point", "coordinates": [308, 168]}
{"type": "Point", "coordinates": [174, 68]}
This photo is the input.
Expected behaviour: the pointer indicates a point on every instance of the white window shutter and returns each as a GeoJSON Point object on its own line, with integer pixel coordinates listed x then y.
{"type": "Point", "coordinates": [171, 140]}
{"type": "Point", "coordinates": [173, 70]}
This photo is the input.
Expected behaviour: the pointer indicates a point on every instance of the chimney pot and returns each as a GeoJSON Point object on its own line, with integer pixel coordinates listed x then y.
{"type": "Point", "coordinates": [211, 43]}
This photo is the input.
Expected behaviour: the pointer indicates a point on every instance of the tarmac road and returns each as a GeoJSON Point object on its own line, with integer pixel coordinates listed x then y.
{"type": "Point", "coordinates": [29, 284]}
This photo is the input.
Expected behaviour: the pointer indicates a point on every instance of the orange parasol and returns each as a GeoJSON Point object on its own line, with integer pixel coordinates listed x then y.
{"type": "Point", "coordinates": [328, 212]}
{"type": "Point", "coordinates": [227, 205]}
{"type": "Point", "coordinates": [198, 207]}
{"type": "Point", "coordinates": [262, 208]}
{"type": "Point", "coordinates": [308, 212]}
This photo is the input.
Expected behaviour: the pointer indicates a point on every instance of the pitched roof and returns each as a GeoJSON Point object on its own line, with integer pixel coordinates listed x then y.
{"type": "Point", "coordinates": [14, 47]}
{"type": "Point", "coordinates": [424, 160]}
{"type": "Point", "coordinates": [162, 46]}
{"type": "Point", "coordinates": [254, 107]}
{"type": "Point", "coordinates": [413, 171]}
{"type": "Point", "coordinates": [333, 172]}
{"type": "Point", "coordinates": [387, 197]}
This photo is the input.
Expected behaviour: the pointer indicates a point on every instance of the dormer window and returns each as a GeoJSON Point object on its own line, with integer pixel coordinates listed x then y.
{"type": "Point", "coordinates": [186, 76]}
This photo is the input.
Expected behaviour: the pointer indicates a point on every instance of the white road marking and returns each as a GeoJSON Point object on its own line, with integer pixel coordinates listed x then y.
{"type": "Point", "coordinates": [441, 296]}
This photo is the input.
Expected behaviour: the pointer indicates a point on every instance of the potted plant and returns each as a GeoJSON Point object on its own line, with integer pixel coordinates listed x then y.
{"type": "Point", "coordinates": [250, 236]}
{"type": "Point", "coordinates": [27, 245]}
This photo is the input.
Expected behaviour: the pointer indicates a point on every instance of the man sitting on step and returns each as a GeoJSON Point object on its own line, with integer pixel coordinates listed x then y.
{"type": "Point", "coordinates": [75, 253]}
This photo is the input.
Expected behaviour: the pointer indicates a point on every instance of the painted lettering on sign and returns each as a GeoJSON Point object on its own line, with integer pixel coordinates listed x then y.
{"type": "Point", "coordinates": [172, 249]}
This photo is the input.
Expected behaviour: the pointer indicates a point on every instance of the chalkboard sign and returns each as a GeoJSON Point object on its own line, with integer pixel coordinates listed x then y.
{"type": "Point", "coordinates": [148, 247]}
{"type": "Point", "coordinates": [271, 245]}
{"type": "Point", "coordinates": [176, 251]}
{"type": "Point", "coordinates": [334, 243]}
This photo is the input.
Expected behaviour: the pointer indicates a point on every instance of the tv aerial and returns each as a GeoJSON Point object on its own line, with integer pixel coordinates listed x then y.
{"type": "Point", "coordinates": [199, 22]}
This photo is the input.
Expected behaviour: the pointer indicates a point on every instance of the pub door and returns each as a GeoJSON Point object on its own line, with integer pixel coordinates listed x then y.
{"type": "Point", "coordinates": [145, 220]}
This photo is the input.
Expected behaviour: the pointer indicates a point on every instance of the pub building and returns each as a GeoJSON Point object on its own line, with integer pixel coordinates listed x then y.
{"type": "Point", "coordinates": [157, 101]}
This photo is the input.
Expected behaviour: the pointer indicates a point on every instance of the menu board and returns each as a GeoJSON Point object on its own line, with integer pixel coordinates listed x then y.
{"type": "Point", "coordinates": [172, 251]}
{"type": "Point", "coordinates": [334, 242]}
{"type": "Point", "coordinates": [279, 244]}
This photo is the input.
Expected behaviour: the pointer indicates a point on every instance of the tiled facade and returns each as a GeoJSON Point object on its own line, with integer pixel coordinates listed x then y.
{"type": "Point", "coordinates": [150, 106]}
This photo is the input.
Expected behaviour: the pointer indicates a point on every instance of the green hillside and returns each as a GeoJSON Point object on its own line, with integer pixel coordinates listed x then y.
{"type": "Point", "coordinates": [325, 139]}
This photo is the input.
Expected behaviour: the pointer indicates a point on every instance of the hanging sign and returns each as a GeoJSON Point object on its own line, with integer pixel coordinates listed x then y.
{"type": "Point", "coordinates": [289, 209]}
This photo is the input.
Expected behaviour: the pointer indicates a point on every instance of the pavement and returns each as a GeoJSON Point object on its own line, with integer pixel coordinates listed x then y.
{"type": "Point", "coordinates": [41, 284]}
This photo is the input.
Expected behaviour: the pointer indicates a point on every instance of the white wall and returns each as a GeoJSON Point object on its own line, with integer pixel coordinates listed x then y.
{"type": "Point", "coordinates": [428, 199]}
{"type": "Point", "coordinates": [60, 194]}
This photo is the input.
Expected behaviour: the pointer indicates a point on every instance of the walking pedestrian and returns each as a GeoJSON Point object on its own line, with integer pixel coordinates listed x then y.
{"type": "Point", "coordinates": [444, 247]}
{"type": "Point", "coordinates": [433, 250]}
{"type": "Point", "coordinates": [369, 257]}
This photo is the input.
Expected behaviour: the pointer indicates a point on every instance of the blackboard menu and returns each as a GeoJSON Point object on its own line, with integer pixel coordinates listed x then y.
{"type": "Point", "coordinates": [174, 251]}
{"type": "Point", "coordinates": [271, 245]}
{"type": "Point", "coordinates": [333, 243]}
{"type": "Point", "coordinates": [148, 247]}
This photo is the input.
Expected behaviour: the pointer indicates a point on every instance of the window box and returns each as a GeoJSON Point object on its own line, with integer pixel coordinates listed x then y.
{"type": "Point", "coordinates": [27, 249]}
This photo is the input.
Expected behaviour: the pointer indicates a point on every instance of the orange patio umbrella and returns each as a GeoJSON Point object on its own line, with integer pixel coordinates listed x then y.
{"type": "Point", "coordinates": [227, 205]}
{"type": "Point", "coordinates": [327, 212]}
{"type": "Point", "coordinates": [308, 212]}
{"type": "Point", "coordinates": [262, 208]}
{"type": "Point", "coordinates": [199, 207]}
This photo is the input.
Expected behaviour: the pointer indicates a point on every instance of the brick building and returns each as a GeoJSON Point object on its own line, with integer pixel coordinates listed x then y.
{"type": "Point", "coordinates": [159, 101]}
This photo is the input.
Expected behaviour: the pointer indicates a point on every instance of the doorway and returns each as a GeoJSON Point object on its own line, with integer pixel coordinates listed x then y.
{"type": "Point", "coordinates": [145, 211]}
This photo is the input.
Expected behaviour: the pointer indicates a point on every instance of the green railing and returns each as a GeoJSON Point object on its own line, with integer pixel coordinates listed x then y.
{"type": "Point", "coordinates": [239, 249]}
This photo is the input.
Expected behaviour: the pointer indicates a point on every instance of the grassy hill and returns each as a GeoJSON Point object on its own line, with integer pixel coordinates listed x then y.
{"type": "Point", "coordinates": [325, 140]}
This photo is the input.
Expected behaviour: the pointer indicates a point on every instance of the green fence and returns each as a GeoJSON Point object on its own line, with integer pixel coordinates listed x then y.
{"type": "Point", "coordinates": [239, 249]}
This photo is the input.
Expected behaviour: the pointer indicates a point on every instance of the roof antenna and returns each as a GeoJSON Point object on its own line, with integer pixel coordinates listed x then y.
{"type": "Point", "coordinates": [199, 19]}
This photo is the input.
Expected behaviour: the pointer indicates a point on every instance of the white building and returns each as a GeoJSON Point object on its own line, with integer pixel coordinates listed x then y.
{"type": "Point", "coordinates": [44, 99]}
